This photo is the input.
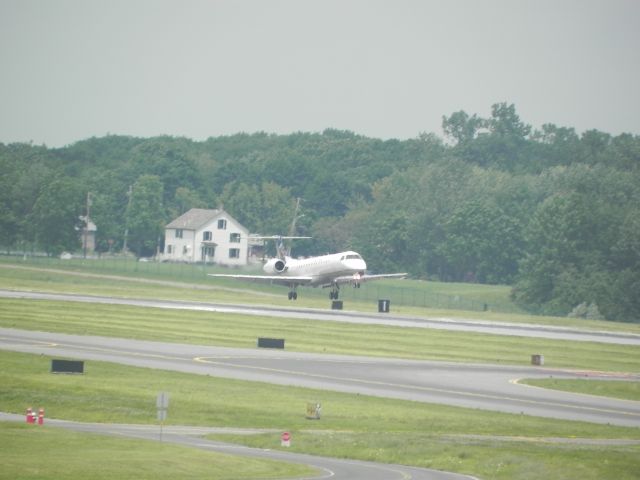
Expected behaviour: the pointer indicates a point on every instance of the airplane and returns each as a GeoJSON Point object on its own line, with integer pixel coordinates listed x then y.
{"type": "Point", "coordinates": [328, 271]}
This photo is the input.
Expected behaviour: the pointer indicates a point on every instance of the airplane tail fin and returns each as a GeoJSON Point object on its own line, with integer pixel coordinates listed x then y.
{"type": "Point", "coordinates": [283, 249]}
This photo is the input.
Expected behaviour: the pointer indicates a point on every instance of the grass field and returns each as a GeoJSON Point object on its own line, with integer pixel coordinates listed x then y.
{"type": "Point", "coordinates": [470, 441]}
{"type": "Point", "coordinates": [352, 426]}
{"type": "Point", "coordinates": [222, 329]}
{"type": "Point", "coordinates": [86, 277]}
{"type": "Point", "coordinates": [412, 293]}
{"type": "Point", "coordinates": [45, 453]}
{"type": "Point", "coordinates": [603, 388]}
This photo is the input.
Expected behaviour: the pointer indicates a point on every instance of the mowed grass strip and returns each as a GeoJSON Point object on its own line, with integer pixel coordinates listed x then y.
{"type": "Point", "coordinates": [115, 393]}
{"type": "Point", "coordinates": [352, 426]}
{"type": "Point", "coordinates": [98, 283]}
{"type": "Point", "coordinates": [88, 277]}
{"type": "Point", "coordinates": [486, 458]}
{"type": "Point", "coordinates": [604, 388]}
{"type": "Point", "coordinates": [222, 329]}
{"type": "Point", "coordinates": [49, 453]}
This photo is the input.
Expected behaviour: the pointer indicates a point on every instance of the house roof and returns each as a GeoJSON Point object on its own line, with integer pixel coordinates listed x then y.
{"type": "Point", "coordinates": [194, 218]}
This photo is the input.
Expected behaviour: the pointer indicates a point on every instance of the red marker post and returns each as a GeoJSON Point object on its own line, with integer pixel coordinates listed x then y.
{"type": "Point", "coordinates": [285, 439]}
{"type": "Point", "coordinates": [30, 417]}
{"type": "Point", "coordinates": [41, 416]}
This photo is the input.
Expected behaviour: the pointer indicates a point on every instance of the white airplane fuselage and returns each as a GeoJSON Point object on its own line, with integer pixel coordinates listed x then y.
{"type": "Point", "coordinates": [323, 269]}
{"type": "Point", "coordinates": [333, 270]}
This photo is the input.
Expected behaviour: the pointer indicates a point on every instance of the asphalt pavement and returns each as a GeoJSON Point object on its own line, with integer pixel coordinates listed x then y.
{"type": "Point", "coordinates": [374, 318]}
{"type": "Point", "coordinates": [488, 387]}
{"type": "Point", "coordinates": [336, 469]}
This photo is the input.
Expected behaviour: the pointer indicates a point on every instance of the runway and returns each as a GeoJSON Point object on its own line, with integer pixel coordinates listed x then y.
{"type": "Point", "coordinates": [488, 387]}
{"type": "Point", "coordinates": [441, 323]}
{"type": "Point", "coordinates": [336, 469]}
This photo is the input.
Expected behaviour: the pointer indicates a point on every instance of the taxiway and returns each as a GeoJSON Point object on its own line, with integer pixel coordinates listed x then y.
{"type": "Point", "coordinates": [488, 387]}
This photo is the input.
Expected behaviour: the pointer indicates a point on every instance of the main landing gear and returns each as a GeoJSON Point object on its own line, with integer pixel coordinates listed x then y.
{"type": "Point", "coordinates": [293, 295]}
{"type": "Point", "coordinates": [335, 290]}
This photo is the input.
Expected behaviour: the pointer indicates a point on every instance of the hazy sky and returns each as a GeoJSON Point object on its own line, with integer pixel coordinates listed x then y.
{"type": "Point", "coordinates": [72, 69]}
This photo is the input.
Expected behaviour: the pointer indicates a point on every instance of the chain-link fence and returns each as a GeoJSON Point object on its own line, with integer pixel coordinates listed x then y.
{"type": "Point", "coordinates": [398, 294]}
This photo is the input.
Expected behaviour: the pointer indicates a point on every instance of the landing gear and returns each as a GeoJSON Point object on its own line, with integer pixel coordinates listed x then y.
{"type": "Point", "coordinates": [293, 295]}
{"type": "Point", "coordinates": [334, 293]}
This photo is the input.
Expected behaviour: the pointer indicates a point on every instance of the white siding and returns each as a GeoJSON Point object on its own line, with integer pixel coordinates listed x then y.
{"type": "Point", "coordinates": [190, 247]}
{"type": "Point", "coordinates": [181, 248]}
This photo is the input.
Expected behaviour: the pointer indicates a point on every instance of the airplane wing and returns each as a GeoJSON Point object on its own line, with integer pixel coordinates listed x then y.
{"type": "Point", "coordinates": [273, 279]}
{"type": "Point", "coordinates": [367, 278]}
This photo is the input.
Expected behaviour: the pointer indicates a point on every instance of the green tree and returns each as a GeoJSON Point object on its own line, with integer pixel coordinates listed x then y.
{"type": "Point", "coordinates": [26, 171]}
{"type": "Point", "coordinates": [385, 242]}
{"type": "Point", "coordinates": [109, 205]}
{"type": "Point", "coordinates": [624, 152]}
{"type": "Point", "coordinates": [9, 221]}
{"type": "Point", "coordinates": [243, 202]}
{"type": "Point", "coordinates": [265, 208]}
{"type": "Point", "coordinates": [171, 160]}
{"type": "Point", "coordinates": [624, 304]}
{"type": "Point", "coordinates": [461, 127]}
{"type": "Point", "coordinates": [145, 217]}
{"type": "Point", "coordinates": [558, 237]}
{"type": "Point", "coordinates": [277, 207]}
{"type": "Point", "coordinates": [55, 219]}
{"type": "Point", "coordinates": [553, 146]}
{"type": "Point", "coordinates": [595, 145]}
{"type": "Point", "coordinates": [505, 122]}
{"type": "Point", "coordinates": [184, 200]}
{"type": "Point", "coordinates": [580, 246]}
{"type": "Point", "coordinates": [504, 145]}
{"type": "Point", "coordinates": [482, 243]}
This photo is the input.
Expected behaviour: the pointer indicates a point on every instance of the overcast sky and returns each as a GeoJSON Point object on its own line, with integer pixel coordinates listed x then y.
{"type": "Point", "coordinates": [73, 69]}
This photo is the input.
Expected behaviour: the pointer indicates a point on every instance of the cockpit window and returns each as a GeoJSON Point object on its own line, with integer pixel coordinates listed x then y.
{"type": "Point", "coordinates": [354, 257]}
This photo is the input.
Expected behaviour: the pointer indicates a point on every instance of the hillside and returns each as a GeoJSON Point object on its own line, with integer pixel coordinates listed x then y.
{"type": "Point", "coordinates": [552, 212]}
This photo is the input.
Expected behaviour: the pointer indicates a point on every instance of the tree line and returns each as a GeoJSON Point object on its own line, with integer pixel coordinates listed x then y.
{"type": "Point", "coordinates": [554, 213]}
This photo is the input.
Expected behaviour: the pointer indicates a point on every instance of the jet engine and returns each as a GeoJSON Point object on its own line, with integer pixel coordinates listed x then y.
{"type": "Point", "coordinates": [275, 265]}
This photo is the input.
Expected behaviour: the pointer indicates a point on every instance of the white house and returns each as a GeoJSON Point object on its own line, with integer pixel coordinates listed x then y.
{"type": "Point", "coordinates": [208, 236]}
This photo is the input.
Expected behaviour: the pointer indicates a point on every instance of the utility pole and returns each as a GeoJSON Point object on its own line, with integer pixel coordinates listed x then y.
{"type": "Point", "coordinates": [126, 220]}
{"type": "Point", "coordinates": [292, 228]}
{"type": "Point", "coordinates": [86, 225]}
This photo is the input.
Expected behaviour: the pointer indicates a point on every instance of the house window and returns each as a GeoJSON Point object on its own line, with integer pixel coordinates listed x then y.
{"type": "Point", "coordinates": [234, 238]}
{"type": "Point", "coordinates": [206, 236]}
{"type": "Point", "coordinates": [178, 233]}
{"type": "Point", "coordinates": [169, 249]}
{"type": "Point", "coordinates": [222, 224]}
{"type": "Point", "coordinates": [234, 253]}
